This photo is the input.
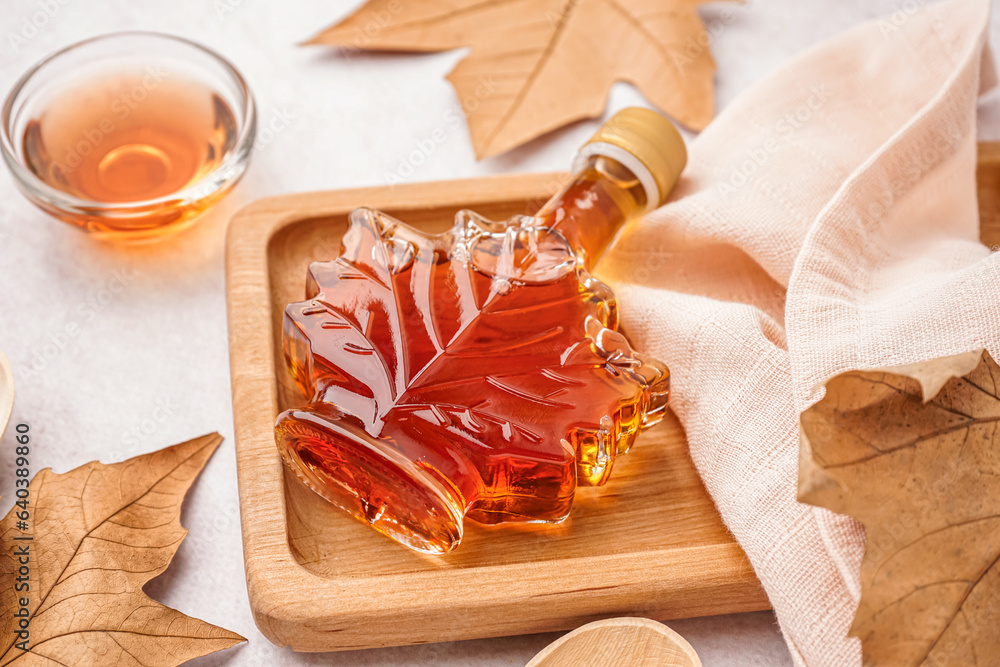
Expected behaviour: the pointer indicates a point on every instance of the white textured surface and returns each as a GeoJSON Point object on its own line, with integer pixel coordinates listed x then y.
{"type": "Point", "coordinates": [149, 364]}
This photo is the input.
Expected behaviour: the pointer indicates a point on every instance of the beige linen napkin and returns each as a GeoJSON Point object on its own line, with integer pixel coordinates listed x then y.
{"type": "Point", "coordinates": [827, 221]}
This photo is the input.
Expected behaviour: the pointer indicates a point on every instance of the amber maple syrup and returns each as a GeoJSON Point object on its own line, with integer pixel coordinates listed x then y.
{"type": "Point", "coordinates": [474, 374]}
{"type": "Point", "coordinates": [129, 136]}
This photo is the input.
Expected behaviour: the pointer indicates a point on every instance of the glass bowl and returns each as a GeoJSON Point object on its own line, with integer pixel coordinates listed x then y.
{"type": "Point", "coordinates": [106, 134]}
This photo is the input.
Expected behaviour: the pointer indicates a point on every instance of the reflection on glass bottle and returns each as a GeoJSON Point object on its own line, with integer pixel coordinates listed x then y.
{"type": "Point", "coordinates": [477, 373]}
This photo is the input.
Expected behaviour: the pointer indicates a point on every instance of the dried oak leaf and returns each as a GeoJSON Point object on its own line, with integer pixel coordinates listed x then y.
{"type": "Point", "coordinates": [913, 453]}
{"type": "Point", "coordinates": [536, 65]}
{"type": "Point", "coordinates": [100, 532]}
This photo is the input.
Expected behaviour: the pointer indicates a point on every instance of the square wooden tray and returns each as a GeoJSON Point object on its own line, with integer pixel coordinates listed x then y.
{"type": "Point", "coordinates": [650, 543]}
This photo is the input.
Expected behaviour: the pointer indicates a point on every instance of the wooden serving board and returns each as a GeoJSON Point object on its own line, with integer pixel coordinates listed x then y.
{"type": "Point", "coordinates": [650, 543]}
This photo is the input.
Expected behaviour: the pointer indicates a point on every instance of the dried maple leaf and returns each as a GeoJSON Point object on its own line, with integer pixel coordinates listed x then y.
{"type": "Point", "coordinates": [100, 532]}
{"type": "Point", "coordinates": [914, 454]}
{"type": "Point", "coordinates": [537, 65]}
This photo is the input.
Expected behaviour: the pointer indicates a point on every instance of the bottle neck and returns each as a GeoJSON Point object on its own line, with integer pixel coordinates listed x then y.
{"type": "Point", "coordinates": [590, 210]}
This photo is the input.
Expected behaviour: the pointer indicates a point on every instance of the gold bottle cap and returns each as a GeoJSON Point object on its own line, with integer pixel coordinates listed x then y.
{"type": "Point", "coordinates": [650, 139]}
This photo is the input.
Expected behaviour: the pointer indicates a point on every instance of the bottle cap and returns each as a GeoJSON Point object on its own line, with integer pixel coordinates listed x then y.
{"type": "Point", "coordinates": [638, 135]}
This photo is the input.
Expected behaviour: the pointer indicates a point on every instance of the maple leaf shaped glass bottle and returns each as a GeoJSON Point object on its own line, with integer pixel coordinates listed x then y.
{"type": "Point", "coordinates": [477, 374]}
